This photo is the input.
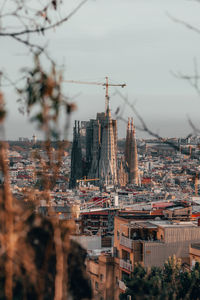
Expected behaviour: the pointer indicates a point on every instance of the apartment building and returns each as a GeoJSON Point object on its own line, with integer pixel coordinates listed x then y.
{"type": "Point", "coordinates": [103, 273]}
{"type": "Point", "coordinates": [150, 243]}
{"type": "Point", "coordinates": [194, 254]}
{"type": "Point", "coordinates": [95, 221]}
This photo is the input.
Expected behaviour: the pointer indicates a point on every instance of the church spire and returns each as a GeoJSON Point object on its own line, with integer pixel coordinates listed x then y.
{"type": "Point", "coordinates": [76, 156]}
{"type": "Point", "coordinates": [131, 156]}
{"type": "Point", "coordinates": [133, 159]}
{"type": "Point", "coordinates": [127, 143]}
{"type": "Point", "coordinates": [108, 159]}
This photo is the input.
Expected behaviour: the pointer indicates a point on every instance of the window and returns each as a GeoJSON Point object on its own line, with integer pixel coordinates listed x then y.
{"type": "Point", "coordinates": [101, 277]}
{"type": "Point", "coordinates": [96, 285]}
{"type": "Point", "coordinates": [115, 252]}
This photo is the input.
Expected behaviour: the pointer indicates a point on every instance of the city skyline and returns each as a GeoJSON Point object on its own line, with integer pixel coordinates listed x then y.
{"type": "Point", "coordinates": [100, 149]}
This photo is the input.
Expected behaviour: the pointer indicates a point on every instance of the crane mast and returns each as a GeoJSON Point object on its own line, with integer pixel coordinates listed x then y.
{"type": "Point", "coordinates": [104, 84]}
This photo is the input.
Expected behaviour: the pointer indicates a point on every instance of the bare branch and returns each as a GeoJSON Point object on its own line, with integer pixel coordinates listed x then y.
{"type": "Point", "coordinates": [194, 128]}
{"type": "Point", "coordinates": [144, 127]}
{"type": "Point", "coordinates": [193, 80]}
{"type": "Point", "coordinates": [187, 25]}
{"type": "Point", "coordinates": [43, 29]}
{"type": "Point", "coordinates": [27, 43]}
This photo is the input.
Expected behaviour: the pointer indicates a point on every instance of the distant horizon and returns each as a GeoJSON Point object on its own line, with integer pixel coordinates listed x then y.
{"type": "Point", "coordinates": [119, 139]}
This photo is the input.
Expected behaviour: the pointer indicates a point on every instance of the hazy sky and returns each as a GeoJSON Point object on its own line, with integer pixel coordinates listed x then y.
{"type": "Point", "coordinates": [131, 41]}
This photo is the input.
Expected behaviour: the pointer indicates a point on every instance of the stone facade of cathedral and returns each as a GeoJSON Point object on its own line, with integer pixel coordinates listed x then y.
{"type": "Point", "coordinates": [100, 158]}
{"type": "Point", "coordinates": [131, 156]}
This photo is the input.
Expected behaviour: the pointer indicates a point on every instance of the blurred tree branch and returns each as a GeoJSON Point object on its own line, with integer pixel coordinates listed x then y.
{"type": "Point", "coordinates": [43, 13]}
{"type": "Point", "coordinates": [34, 249]}
{"type": "Point", "coordinates": [184, 23]}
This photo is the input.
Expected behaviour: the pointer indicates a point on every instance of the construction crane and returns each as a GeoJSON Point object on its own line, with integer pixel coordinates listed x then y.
{"type": "Point", "coordinates": [104, 84]}
{"type": "Point", "coordinates": [87, 179]}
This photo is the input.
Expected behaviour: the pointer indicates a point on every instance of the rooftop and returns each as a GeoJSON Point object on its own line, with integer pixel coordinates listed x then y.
{"type": "Point", "coordinates": [162, 223]}
{"type": "Point", "coordinates": [167, 224]}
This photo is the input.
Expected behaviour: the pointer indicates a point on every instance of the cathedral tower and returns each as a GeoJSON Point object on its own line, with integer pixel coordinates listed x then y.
{"type": "Point", "coordinates": [108, 157]}
{"type": "Point", "coordinates": [127, 145]}
{"type": "Point", "coordinates": [76, 156]}
{"type": "Point", "coordinates": [131, 155]}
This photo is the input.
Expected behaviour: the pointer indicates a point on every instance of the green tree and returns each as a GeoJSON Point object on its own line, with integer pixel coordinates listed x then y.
{"type": "Point", "coordinates": [172, 282]}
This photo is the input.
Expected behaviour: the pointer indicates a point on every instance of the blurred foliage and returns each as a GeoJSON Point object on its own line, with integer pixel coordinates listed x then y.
{"type": "Point", "coordinates": [43, 92]}
{"type": "Point", "coordinates": [38, 259]}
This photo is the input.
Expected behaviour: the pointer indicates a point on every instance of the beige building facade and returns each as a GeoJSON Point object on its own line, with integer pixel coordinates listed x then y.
{"type": "Point", "coordinates": [151, 243]}
{"type": "Point", "coordinates": [103, 272]}
{"type": "Point", "coordinates": [194, 254]}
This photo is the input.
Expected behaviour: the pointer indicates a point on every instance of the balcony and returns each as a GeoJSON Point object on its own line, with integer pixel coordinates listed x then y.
{"type": "Point", "coordinates": [93, 268]}
{"type": "Point", "coordinates": [126, 265]}
{"type": "Point", "coordinates": [124, 241]}
{"type": "Point", "coordinates": [122, 285]}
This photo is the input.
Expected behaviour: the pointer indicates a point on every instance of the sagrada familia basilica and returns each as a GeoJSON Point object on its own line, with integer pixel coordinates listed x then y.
{"type": "Point", "coordinates": [98, 159]}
